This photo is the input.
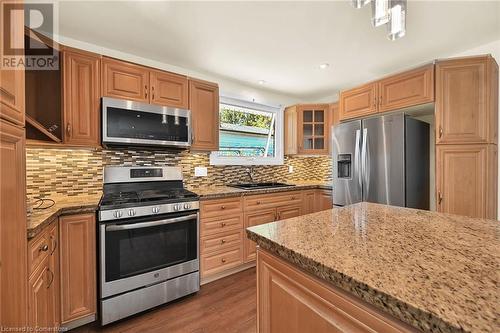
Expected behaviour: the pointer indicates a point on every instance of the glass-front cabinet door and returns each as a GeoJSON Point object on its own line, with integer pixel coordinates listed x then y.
{"type": "Point", "coordinates": [313, 125]}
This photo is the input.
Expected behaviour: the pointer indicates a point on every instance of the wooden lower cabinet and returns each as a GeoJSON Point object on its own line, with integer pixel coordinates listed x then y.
{"type": "Point", "coordinates": [291, 301]}
{"type": "Point", "coordinates": [224, 246]}
{"type": "Point", "coordinates": [78, 266]}
{"type": "Point", "coordinates": [323, 200]}
{"type": "Point", "coordinates": [466, 180]}
{"type": "Point", "coordinates": [252, 219]}
{"type": "Point", "coordinates": [43, 308]}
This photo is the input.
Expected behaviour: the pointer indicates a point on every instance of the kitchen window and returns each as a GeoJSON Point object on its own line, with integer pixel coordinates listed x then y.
{"type": "Point", "coordinates": [249, 134]}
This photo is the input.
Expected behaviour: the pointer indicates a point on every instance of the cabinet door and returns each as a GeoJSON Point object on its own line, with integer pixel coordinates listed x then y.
{"type": "Point", "coordinates": [78, 268]}
{"type": "Point", "coordinates": [461, 179]}
{"type": "Point", "coordinates": [13, 240]}
{"type": "Point", "coordinates": [169, 89]}
{"type": "Point", "coordinates": [358, 102]}
{"type": "Point", "coordinates": [324, 200]}
{"type": "Point", "coordinates": [125, 80]}
{"type": "Point", "coordinates": [313, 131]}
{"type": "Point", "coordinates": [256, 218]}
{"type": "Point", "coordinates": [287, 212]}
{"type": "Point", "coordinates": [406, 89]}
{"type": "Point", "coordinates": [81, 98]}
{"type": "Point", "coordinates": [308, 201]}
{"type": "Point", "coordinates": [204, 106]}
{"type": "Point", "coordinates": [39, 297]}
{"type": "Point", "coordinates": [53, 267]}
{"type": "Point", "coordinates": [12, 81]}
{"type": "Point", "coordinates": [462, 101]}
{"type": "Point", "coordinates": [291, 123]}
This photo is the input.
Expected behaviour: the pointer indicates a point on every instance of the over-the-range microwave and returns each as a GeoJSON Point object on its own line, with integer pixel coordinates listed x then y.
{"type": "Point", "coordinates": [129, 123]}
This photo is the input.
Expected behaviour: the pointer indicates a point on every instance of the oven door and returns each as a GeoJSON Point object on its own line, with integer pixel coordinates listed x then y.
{"type": "Point", "coordinates": [126, 122]}
{"type": "Point", "coordinates": [144, 251]}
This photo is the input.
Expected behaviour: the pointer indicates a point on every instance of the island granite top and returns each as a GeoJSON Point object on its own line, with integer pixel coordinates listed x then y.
{"type": "Point", "coordinates": [436, 272]}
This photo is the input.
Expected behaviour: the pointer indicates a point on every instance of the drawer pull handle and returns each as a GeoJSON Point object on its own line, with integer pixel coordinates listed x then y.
{"type": "Point", "coordinates": [223, 224]}
{"type": "Point", "coordinates": [223, 260]}
{"type": "Point", "coordinates": [440, 197]}
{"type": "Point", "coordinates": [258, 202]}
{"type": "Point", "coordinates": [222, 241]}
{"type": "Point", "coordinates": [293, 198]}
{"type": "Point", "coordinates": [43, 248]}
{"type": "Point", "coordinates": [440, 131]}
{"type": "Point", "coordinates": [223, 207]}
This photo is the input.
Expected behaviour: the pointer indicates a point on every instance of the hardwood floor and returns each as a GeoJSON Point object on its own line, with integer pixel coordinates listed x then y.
{"type": "Point", "coordinates": [225, 305]}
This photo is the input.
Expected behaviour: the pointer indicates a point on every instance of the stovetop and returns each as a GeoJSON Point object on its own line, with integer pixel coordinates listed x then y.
{"type": "Point", "coordinates": [142, 197]}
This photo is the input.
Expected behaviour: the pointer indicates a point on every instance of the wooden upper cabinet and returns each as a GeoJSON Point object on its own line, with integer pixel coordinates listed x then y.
{"type": "Point", "coordinates": [307, 129]}
{"type": "Point", "coordinates": [467, 100]}
{"type": "Point", "coordinates": [12, 81]}
{"type": "Point", "coordinates": [77, 237]}
{"type": "Point", "coordinates": [13, 240]}
{"type": "Point", "coordinates": [81, 88]}
{"type": "Point", "coordinates": [204, 106]}
{"type": "Point", "coordinates": [358, 102]}
{"type": "Point", "coordinates": [461, 179]}
{"type": "Point", "coordinates": [406, 89]}
{"type": "Point", "coordinates": [169, 89]}
{"type": "Point", "coordinates": [125, 80]}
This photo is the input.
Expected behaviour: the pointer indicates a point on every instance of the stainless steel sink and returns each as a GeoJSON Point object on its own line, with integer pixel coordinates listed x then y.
{"type": "Point", "coordinates": [255, 186]}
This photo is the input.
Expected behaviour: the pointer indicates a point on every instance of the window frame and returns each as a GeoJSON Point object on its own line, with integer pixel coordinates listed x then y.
{"type": "Point", "coordinates": [277, 159]}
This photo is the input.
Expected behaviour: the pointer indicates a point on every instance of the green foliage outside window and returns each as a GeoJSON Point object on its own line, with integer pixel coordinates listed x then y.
{"type": "Point", "coordinates": [230, 116]}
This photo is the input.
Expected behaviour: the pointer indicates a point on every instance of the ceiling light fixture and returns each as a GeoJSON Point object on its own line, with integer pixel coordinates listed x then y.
{"type": "Point", "coordinates": [261, 82]}
{"type": "Point", "coordinates": [397, 24]}
{"type": "Point", "coordinates": [324, 66]}
{"type": "Point", "coordinates": [390, 12]}
{"type": "Point", "coordinates": [359, 3]}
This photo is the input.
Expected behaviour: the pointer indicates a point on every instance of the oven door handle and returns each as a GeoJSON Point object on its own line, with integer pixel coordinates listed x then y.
{"type": "Point", "coordinates": [139, 225]}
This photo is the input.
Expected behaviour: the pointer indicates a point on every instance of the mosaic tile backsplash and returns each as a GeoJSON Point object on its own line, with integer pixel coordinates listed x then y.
{"type": "Point", "coordinates": [79, 171]}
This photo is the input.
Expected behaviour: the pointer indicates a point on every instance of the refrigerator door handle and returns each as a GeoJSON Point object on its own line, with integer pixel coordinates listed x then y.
{"type": "Point", "coordinates": [364, 165]}
{"type": "Point", "coordinates": [357, 158]}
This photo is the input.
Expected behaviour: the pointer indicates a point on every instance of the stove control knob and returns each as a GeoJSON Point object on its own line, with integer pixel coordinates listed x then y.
{"type": "Point", "coordinates": [131, 212]}
{"type": "Point", "coordinates": [187, 205]}
{"type": "Point", "coordinates": [156, 210]}
{"type": "Point", "coordinates": [176, 207]}
{"type": "Point", "coordinates": [117, 214]}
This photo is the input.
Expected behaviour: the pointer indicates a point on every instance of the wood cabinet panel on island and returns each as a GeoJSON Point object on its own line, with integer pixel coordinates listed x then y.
{"type": "Point", "coordinates": [289, 300]}
{"type": "Point", "coordinates": [204, 106]}
{"type": "Point", "coordinates": [81, 87]}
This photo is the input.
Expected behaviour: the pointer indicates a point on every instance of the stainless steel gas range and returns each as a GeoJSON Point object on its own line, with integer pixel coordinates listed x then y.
{"type": "Point", "coordinates": [148, 240]}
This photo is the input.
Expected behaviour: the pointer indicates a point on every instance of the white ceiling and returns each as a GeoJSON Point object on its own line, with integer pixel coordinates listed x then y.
{"type": "Point", "coordinates": [282, 42]}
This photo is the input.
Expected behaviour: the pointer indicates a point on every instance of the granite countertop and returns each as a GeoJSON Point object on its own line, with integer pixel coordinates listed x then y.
{"type": "Point", "coordinates": [213, 192]}
{"type": "Point", "coordinates": [436, 272]}
{"type": "Point", "coordinates": [63, 205]}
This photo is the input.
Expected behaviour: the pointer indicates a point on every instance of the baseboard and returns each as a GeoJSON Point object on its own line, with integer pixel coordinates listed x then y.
{"type": "Point", "coordinates": [79, 322]}
{"type": "Point", "coordinates": [231, 271]}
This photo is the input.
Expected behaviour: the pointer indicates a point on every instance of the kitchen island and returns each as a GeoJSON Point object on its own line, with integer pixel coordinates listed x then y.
{"type": "Point", "coordinates": [370, 266]}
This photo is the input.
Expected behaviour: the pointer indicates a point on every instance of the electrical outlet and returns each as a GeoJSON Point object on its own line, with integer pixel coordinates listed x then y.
{"type": "Point", "coordinates": [290, 169]}
{"type": "Point", "coordinates": [200, 171]}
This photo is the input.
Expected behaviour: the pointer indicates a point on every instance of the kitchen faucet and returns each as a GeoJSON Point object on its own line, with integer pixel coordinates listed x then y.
{"type": "Point", "coordinates": [249, 171]}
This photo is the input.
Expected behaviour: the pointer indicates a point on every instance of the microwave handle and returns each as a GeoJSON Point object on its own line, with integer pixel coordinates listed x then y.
{"type": "Point", "coordinates": [139, 225]}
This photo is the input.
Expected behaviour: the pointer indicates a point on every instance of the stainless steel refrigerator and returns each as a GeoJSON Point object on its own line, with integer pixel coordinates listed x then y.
{"type": "Point", "coordinates": [382, 160]}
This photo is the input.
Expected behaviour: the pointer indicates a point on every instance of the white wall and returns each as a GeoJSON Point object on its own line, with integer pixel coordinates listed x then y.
{"type": "Point", "coordinates": [228, 87]}
{"type": "Point", "coordinates": [492, 48]}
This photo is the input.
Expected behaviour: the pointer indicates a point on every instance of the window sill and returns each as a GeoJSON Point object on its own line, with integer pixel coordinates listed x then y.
{"type": "Point", "coordinates": [221, 161]}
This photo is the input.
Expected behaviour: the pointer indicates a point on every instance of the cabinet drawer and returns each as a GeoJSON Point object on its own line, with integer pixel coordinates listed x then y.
{"type": "Point", "coordinates": [220, 208]}
{"type": "Point", "coordinates": [217, 225]}
{"type": "Point", "coordinates": [38, 250]}
{"type": "Point", "coordinates": [272, 200]}
{"type": "Point", "coordinates": [220, 261]}
{"type": "Point", "coordinates": [221, 241]}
